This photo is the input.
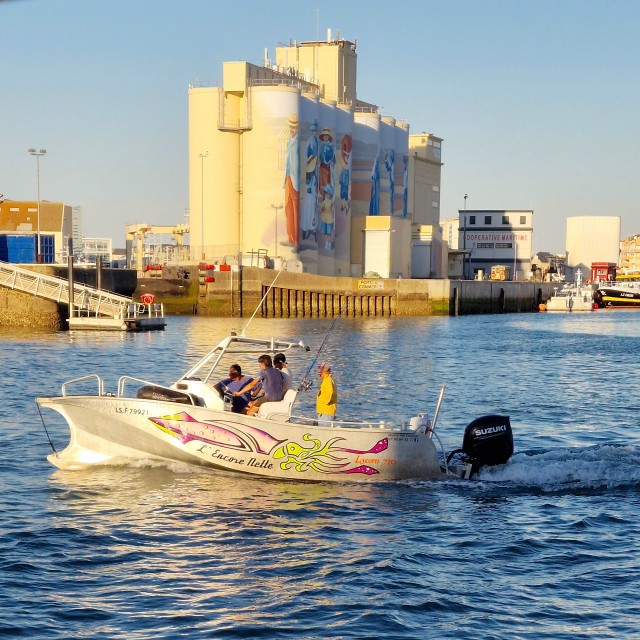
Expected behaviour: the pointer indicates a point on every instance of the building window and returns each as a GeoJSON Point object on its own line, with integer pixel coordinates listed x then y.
{"type": "Point", "coordinates": [505, 219]}
{"type": "Point", "coordinates": [434, 188]}
{"type": "Point", "coordinates": [487, 219]}
{"type": "Point", "coordinates": [472, 219]}
{"type": "Point", "coordinates": [434, 204]}
{"type": "Point", "coordinates": [523, 219]}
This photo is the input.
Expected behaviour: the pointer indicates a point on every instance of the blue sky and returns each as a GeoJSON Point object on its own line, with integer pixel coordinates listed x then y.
{"type": "Point", "coordinates": [537, 101]}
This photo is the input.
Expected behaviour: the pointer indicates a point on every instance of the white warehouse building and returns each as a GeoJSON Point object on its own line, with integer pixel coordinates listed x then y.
{"type": "Point", "coordinates": [591, 239]}
{"type": "Point", "coordinates": [496, 237]}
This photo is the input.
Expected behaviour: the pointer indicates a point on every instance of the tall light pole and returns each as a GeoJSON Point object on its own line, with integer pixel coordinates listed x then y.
{"type": "Point", "coordinates": [38, 155]}
{"type": "Point", "coordinates": [464, 236]}
{"type": "Point", "coordinates": [276, 207]}
{"type": "Point", "coordinates": [202, 155]}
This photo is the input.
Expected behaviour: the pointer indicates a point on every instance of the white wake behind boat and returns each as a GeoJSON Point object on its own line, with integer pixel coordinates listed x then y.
{"type": "Point", "coordinates": [190, 422]}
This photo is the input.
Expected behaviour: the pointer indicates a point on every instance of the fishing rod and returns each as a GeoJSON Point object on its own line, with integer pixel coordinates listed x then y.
{"type": "Point", "coordinates": [264, 297]}
{"type": "Point", "coordinates": [305, 383]}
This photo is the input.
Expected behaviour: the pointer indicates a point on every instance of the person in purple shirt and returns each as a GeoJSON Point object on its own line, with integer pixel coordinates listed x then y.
{"type": "Point", "coordinates": [271, 382]}
{"type": "Point", "coordinates": [235, 382]}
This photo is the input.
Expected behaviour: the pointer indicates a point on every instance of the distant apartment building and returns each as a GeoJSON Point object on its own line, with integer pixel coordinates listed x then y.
{"type": "Point", "coordinates": [451, 232]}
{"type": "Point", "coordinates": [94, 248]}
{"type": "Point", "coordinates": [491, 238]}
{"type": "Point", "coordinates": [591, 239]}
{"type": "Point", "coordinates": [629, 262]}
{"type": "Point", "coordinates": [77, 230]}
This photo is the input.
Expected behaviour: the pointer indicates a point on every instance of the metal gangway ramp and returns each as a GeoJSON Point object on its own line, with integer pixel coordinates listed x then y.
{"type": "Point", "coordinates": [86, 299]}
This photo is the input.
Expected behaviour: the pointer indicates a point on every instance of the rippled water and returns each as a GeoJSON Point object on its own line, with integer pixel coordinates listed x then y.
{"type": "Point", "coordinates": [544, 547]}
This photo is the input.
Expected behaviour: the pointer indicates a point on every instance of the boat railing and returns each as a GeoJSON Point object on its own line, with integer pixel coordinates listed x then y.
{"type": "Point", "coordinates": [123, 380]}
{"type": "Point", "coordinates": [93, 376]}
{"type": "Point", "coordinates": [140, 310]}
{"type": "Point", "coordinates": [353, 424]}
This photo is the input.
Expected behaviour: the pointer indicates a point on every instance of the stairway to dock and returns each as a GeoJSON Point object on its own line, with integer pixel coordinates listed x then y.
{"type": "Point", "coordinates": [92, 308]}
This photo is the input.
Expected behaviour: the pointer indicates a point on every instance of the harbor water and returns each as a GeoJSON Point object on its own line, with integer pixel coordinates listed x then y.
{"type": "Point", "coordinates": [543, 547]}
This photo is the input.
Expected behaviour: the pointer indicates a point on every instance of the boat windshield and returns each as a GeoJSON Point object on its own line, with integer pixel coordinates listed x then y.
{"type": "Point", "coordinates": [240, 350]}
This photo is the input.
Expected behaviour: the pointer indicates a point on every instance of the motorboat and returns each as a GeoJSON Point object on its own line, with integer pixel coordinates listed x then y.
{"type": "Point", "coordinates": [618, 293]}
{"type": "Point", "coordinates": [192, 421]}
{"type": "Point", "coordinates": [574, 296]}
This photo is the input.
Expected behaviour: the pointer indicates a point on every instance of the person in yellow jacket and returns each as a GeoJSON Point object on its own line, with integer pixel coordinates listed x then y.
{"type": "Point", "coordinates": [327, 402]}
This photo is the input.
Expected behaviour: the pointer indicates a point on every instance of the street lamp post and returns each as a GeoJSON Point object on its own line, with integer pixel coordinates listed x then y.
{"type": "Point", "coordinates": [202, 155]}
{"type": "Point", "coordinates": [464, 237]}
{"type": "Point", "coordinates": [38, 155]}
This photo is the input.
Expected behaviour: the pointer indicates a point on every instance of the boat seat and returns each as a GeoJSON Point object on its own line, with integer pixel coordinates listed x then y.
{"type": "Point", "coordinates": [207, 395]}
{"type": "Point", "coordinates": [283, 407]}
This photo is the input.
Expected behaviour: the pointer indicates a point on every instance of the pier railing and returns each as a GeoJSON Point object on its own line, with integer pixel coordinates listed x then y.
{"type": "Point", "coordinates": [91, 301]}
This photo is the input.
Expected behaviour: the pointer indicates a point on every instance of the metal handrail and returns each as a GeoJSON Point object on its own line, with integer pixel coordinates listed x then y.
{"type": "Point", "coordinates": [57, 289]}
{"type": "Point", "coordinates": [342, 424]}
{"type": "Point", "coordinates": [123, 379]}
{"type": "Point", "coordinates": [82, 379]}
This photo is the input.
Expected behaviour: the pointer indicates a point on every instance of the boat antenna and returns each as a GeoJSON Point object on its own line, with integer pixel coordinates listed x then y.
{"type": "Point", "coordinates": [45, 429]}
{"type": "Point", "coordinates": [305, 383]}
{"type": "Point", "coordinates": [266, 293]}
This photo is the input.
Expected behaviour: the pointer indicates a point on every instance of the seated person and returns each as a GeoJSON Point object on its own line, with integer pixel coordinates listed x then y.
{"type": "Point", "coordinates": [280, 362]}
{"type": "Point", "coordinates": [272, 385]}
{"type": "Point", "coordinates": [235, 382]}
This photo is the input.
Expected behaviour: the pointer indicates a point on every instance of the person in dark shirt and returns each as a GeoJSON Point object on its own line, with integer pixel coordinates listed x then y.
{"type": "Point", "coordinates": [233, 383]}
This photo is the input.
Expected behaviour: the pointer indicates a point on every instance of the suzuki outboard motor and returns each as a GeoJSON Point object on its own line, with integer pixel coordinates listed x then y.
{"type": "Point", "coordinates": [488, 440]}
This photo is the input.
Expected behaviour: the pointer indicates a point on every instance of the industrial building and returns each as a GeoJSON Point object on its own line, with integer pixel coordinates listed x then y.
{"type": "Point", "coordinates": [289, 166]}
{"type": "Point", "coordinates": [591, 239]}
{"type": "Point", "coordinates": [31, 227]}
{"type": "Point", "coordinates": [490, 238]}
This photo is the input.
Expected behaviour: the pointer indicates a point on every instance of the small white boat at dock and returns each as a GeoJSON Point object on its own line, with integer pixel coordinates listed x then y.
{"type": "Point", "coordinates": [575, 296]}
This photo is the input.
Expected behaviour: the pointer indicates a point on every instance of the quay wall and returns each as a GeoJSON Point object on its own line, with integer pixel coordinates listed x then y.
{"type": "Point", "coordinates": [18, 309]}
{"type": "Point", "coordinates": [286, 294]}
{"type": "Point", "coordinates": [307, 295]}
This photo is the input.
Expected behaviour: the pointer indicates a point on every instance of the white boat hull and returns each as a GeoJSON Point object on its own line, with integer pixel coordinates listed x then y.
{"type": "Point", "coordinates": [106, 429]}
{"type": "Point", "coordinates": [559, 303]}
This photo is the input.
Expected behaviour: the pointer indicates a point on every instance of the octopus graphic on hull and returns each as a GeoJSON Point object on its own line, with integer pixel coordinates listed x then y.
{"type": "Point", "coordinates": [323, 458]}
{"type": "Point", "coordinates": [311, 455]}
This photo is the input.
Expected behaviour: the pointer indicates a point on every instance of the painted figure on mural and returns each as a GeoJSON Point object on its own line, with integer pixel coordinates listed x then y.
{"type": "Point", "coordinates": [405, 189]}
{"type": "Point", "coordinates": [374, 202]}
{"type": "Point", "coordinates": [389, 163]}
{"type": "Point", "coordinates": [309, 214]}
{"type": "Point", "coordinates": [345, 172]}
{"type": "Point", "coordinates": [292, 183]}
{"type": "Point", "coordinates": [326, 187]}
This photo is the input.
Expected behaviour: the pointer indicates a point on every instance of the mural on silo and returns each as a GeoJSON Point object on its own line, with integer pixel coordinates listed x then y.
{"type": "Point", "coordinates": [292, 184]}
{"type": "Point", "coordinates": [402, 169]}
{"type": "Point", "coordinates": [342, 230]}
{"type": "Point", "coordinates": [365, 165]}
{"type": "Point", "coordinates": [326, 189]}
{"type": "Point", "coordinates": [389, 163]}
{"type": "Point", "coordinates": [405, 185]}
{"type": "Point", "coordinates": [271, 176]}
{"type": "Point", "coordinates": [309, 166]}
{"type": "Point", "coordinates": [309, 210]}
{"type": "Point", "coordinates": [374, 201]}
{"type": "Point", "coordinates": [345, 173]}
